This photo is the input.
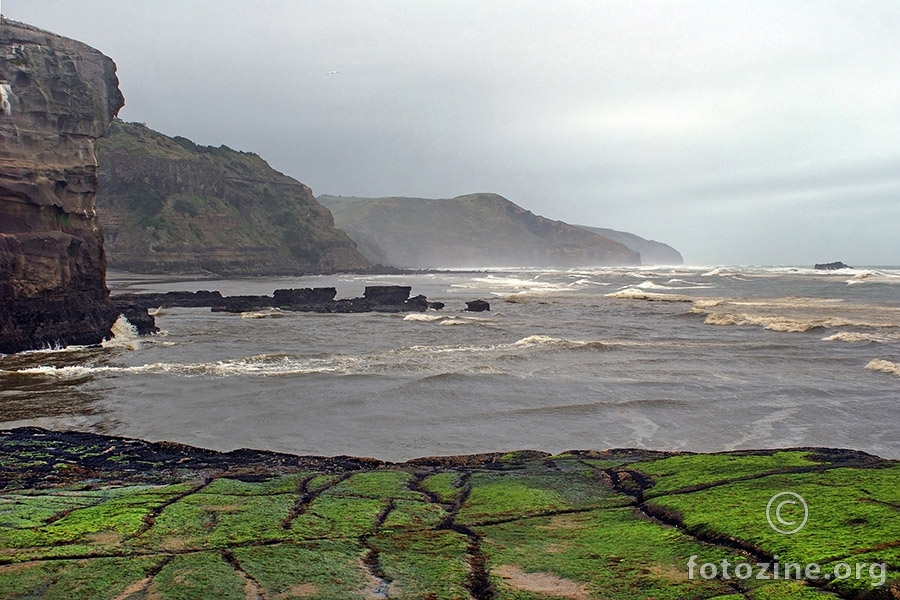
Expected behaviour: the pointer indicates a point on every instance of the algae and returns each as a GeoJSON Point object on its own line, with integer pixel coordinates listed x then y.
{"type": "Point", "coordinates": [522, 525]}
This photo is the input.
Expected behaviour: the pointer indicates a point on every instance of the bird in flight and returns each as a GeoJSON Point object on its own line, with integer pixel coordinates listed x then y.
{"type": "Point", "coordinates": [332, 72]}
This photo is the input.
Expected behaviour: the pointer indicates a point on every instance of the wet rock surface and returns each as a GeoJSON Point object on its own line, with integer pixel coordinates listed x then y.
{"type": "Point", "coordinates": [477, 306]}
{"type": "Point", "coordinates": [380, 298]}
{"type": "Point", "coordinates": [832, 266]}
{"type": "Point", "coordinates": [59, 96]}
{"type": "Point", "coordinates": [101, 517]}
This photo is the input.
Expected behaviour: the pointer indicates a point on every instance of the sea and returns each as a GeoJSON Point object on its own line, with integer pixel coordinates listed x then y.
{"type": "Point", "coordinates": [676, 358]}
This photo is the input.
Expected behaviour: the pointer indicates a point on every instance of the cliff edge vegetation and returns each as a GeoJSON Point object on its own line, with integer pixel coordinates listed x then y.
{"type": "Point", "coordinates": [169, 205]}
{"type": "Point", "coordinates": [476, 230]}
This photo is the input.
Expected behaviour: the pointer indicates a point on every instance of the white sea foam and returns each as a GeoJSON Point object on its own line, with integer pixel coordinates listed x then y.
{"type": "Point", "coordinates": [124, 335]}
{"type": "Point", "coordinates": [636, 293]}
{"type": "Point", "coordinates": [457, 321]}
{"type": "Point", "coordinates": [423, 317]}
{"type": "Point", "coordinates": [874, 277]}
{"type": "Point", "coordinates": [268, 313]}
{"type": "Point", "coordinates": [549, 341]}
{"type": "Point", "coordinates": [782, 322]}
{"type": "Point", "coordinates": [857, 336]}
{"type": "Point", "coordinates": [54, 349]}
{"type": "Point", "coordinates": [885, 366]}
{"type": "Point", "coordinates": [448, 320]}
{"type": "Point", "coordinates": [649, 285]}
{"type": "Point", "coordinates": [415, 358]}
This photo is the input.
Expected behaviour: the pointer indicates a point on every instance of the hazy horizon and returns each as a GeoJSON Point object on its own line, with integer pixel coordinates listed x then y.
{"type": "Point", "coordinates": [759, 133]}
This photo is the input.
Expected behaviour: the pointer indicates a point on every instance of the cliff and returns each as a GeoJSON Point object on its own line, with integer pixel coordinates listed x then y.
{"type": "Point", "coordinates": [169, 205]}
{"type": "Point", "coordinates": [652, 252]}
{"type": "Point", "coordinates": [56, 97]}
{"type": "Point", "coordinates": [477, 230]}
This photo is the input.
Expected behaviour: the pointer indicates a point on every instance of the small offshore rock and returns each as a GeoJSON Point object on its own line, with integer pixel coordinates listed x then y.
{"type": "Point", "coordinates": [477, 306]}
{"type": "Point", "coordinates": [387, 295]}
{"type": "Point", "coordinates": [832, 266]}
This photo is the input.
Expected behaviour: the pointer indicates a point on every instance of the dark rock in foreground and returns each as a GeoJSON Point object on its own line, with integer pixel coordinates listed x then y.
{"type": "Point", "coordinates": [102, 518]}
{"type": "Point", "coordinates": [832, 266]}
{"type": "Point", "coordinates": [377, 298]}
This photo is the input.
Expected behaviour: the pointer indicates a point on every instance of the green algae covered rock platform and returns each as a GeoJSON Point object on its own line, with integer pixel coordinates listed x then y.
{"type": "Point", "coordinates": [97, 517]}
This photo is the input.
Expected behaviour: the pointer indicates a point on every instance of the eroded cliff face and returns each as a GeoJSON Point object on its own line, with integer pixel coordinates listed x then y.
{"type": "Point", "coordinates": [171, 206]}
{"type": "Point", "coordinates": [58, 96]}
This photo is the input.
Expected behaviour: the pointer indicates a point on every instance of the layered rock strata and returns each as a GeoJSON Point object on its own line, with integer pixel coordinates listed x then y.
{"type": "Point", "coordinates": [169, 205]}
{"type": "Point", "coordinates": [58, 96]}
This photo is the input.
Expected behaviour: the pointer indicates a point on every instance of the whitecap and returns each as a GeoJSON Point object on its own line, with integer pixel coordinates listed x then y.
{"type": "Point", "coordinates": [649, 285]}
{"type": "Point", "coordinates": [423, 317]}
{"type": "Point", "coordinates": [885, 366]}
{"type": "Point", "coordinates": [856, 336]}
{"type": "Point", "coordinates": [267, 313]}
{"type": "Point", "coordinates": [546, 340]}
{"type": "Point", "coordinates": [124, 335]}
{"type": "Point", "coordinates": [635, 293]}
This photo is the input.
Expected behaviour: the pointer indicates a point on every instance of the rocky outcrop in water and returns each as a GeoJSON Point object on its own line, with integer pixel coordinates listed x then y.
{"type": "Point", "coordinates": [58, 96]}
{"type": "Point", "coordinates": [171, 206]}
{"type": "Point", "coordinates": [832, 266]}
{"type": "Point", "coordinates": [477, 306]}
{"type": "Point", "coordinates": [376, 298]}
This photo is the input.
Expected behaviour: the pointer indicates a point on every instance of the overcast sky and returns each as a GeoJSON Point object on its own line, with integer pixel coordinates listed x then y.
{"type": "Point", "coordinates": [739, 132]}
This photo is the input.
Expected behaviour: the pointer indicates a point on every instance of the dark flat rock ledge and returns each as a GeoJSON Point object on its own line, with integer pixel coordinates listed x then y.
{"type": "Point", "coordinates": [377, 298]}
{"type": "Point", "coordinates": [32, 457]}
{"type": "Point", "coordinates": [108, 518]}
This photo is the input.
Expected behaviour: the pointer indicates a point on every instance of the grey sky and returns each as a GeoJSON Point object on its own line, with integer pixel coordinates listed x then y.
{"type": "Point", "coordinates": [739, 132]}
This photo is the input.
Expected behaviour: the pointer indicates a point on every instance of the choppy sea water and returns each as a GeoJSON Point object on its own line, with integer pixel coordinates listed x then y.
{"type": "Point", "coordinates": [671, 358]}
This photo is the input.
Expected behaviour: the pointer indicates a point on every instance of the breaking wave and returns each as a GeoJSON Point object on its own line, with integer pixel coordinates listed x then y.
{"type": "Point", "coordinates": [559, 343]}
{"type": "Point", "coordinates": [400, 360]}
{"type": "Point", "coordinates": [885, 366]}
{"type": "Point", "coordinates": [856, 336]}
{"type": "Point", "coordinates": [268, 313]}
{"type": "Point", "coordinates": [873, 277]}
{"type": "Point", "coordinates": [423, 317]}
{"type": "Point", "coordinates": [776, 323]}
{"type": "Point", "coordinates": [636, 293]}
{"type": "Point", "coordinates": [124, 335]}
{"type": "Point", "coordinates": [445, 319]}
